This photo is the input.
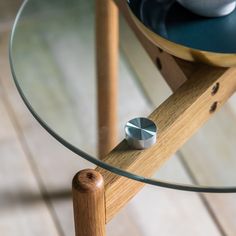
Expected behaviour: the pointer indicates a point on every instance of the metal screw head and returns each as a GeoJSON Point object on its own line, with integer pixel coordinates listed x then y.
{"type": "Point", "coordinates": [141, 133]}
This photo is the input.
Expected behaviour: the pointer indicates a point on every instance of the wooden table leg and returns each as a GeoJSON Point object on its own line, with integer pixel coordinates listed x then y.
{"type": "Point", "coordinates": [107, 67]}
{"type": "Point", "coordinates": [88, 201]}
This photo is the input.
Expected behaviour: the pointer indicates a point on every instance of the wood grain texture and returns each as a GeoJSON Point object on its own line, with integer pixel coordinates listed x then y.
{"type": "Point", "coordinates": [208, 153]}
{"type": "Point", "coordinates": [210, 157]}
{"type": "Point", "coordinates": [44, 147]}
{"type": "Point", "coordinates": [138, 217]}
{"type": "Point", "coordinates": [88, 201]}
{"type": "Point", "coordinates": [107, 36]}
{"type": "Point", "coordinates": [177, 118]}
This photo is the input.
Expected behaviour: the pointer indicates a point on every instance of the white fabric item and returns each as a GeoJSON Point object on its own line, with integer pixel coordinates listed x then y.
{"type": "Point", "coordinates": [209, 8]}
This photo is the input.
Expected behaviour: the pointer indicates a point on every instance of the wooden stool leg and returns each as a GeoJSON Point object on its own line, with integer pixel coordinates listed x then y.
{"type": "Point", "coordinates": [107, 66]}
{"type": "Point", "coordinates": [88, 202]}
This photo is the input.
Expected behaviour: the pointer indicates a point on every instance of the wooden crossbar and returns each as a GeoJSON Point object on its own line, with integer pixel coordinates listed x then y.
{"type": "Point", "coordinates": [178, 118]}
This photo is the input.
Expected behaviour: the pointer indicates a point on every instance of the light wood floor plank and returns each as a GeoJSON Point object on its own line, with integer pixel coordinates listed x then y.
{"type": "Point", "coordinates": [23, 210]}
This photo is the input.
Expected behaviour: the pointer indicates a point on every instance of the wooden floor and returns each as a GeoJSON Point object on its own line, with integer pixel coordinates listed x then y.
{"type": "Point", "coordinates": [36, 171]}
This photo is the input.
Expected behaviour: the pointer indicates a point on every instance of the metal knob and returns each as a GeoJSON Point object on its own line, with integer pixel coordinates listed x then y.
{"type": "Point", "coordinates": [141, 133]}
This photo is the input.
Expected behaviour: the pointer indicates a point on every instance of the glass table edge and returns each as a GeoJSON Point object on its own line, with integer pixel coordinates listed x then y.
{"type": "Point", "coordinates": [115, 170]}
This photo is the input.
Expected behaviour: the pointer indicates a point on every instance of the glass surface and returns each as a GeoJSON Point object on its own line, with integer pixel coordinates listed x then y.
{"type": "Point", "coordinates": [52, 56]}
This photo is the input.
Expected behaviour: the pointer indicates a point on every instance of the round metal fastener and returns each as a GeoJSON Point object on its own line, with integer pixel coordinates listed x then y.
{"type": "Point", "coordinates": [141, 133]}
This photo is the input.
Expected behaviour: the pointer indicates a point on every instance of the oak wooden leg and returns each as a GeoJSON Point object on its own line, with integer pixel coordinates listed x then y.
{"type": "Point", "coordinates": [107, 67]}
{"type": "Point", "coordinates": [88, 202]}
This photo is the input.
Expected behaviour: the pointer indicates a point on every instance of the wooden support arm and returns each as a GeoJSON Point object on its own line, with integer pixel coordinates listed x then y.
{"type": "Point", "coordinates": [178, 118]}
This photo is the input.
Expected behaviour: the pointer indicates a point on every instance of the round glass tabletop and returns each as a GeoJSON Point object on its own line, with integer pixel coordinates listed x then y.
{"type": "Point", "coordinates": [52, 56]}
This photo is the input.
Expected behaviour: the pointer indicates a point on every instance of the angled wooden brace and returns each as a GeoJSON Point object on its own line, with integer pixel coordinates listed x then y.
{"type": "Point", "coordinates": [178, 118]}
